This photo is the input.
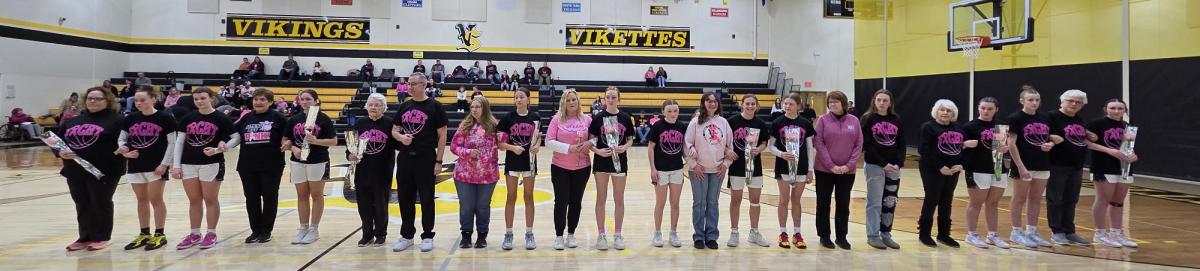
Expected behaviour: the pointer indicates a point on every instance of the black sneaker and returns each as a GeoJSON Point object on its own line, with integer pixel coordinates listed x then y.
{"type": "Point", "coordinates": [482, 241]}
{"type": "Point", "coordinates": [264, 237]}
{"type": "Point", "coordinates": [699, 244]}
{"type": "Point", "coordinates": [159, 240]}
{"type": "Point", "coordinates": [139, 241]}
{"type": "Point", "coordinates": [825, 242]}
{"type": "Point", "coordinates": [711, 244]}
{"type": "Point", "coordinates": [379, 241]}
{"type": "Point", "coordinates": [252, 239]}
{"type": "Point", "coordinates": [946, 240]}
{"type": "Point", "coordinates": [843, 244]}
{"type": "Point", "coordinates": [925, 240]}
{"type": "Point", "coordinates": [465, 241]}
{"type": "Point", "coordinates": [366, 239]}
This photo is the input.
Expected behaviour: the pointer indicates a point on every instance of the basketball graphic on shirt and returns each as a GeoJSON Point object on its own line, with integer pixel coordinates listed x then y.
{"type": "Point", "coordinates": [1037, 133]}
{"type": "Point", "coordinates": [1113, 137]}
{"type": "Point", "coordinates": [885, 133]}
{"type": "Point", "coordinates": [986, 137]}
{"type": "Point", "coordinates": [82, 136]}
{"type": "Point", "coordinates": [200, 133]}
{"type": "Point", "coordinates": [521, 134]}
{"type": "Point", "coordinates": [670, 142]}
{"type": "Point", "coordinates": [298, 132]}
{"type": "Point", "coordinates": [143, 134]}
{"type": "Point", "coordinates": [412, 122]}
{"type": "Point", "coordinates": [950, 143]}
{"type": "Point", "coordinates": [1075, 134]}
{"type": "Point", "coordinates": [376, 141]}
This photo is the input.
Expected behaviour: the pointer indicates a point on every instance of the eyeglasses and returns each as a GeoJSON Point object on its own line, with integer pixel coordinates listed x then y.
{"type": "Point", "coordinates": [95, 99]}
{"type": "Point", "coordinates": [1074, 101]}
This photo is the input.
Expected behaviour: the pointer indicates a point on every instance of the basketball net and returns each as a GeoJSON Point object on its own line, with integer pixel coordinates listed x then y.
{"type": "Point", "coordinates": [971, 44]}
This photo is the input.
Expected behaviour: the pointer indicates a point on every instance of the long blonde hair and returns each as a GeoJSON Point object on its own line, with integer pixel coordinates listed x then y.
{"type": "Point", "coordinates": [488, 123]}
{"type": "Point", "coordinates": [562, 105]}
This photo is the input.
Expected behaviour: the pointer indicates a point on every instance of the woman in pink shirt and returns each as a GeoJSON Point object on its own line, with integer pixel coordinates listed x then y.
{"type": "Point", "coordinates": [402, 89]}
{"type": "Point", "coordinates": [570, 167]}
{"type": "Point", "coordinates": [476, 172]}
{"type": "Point", "coordinates": [709, 144]}
{"type": "Point", "coordinates": [839, 144]}
{"type": "Point", "coordinates": [649, 75]}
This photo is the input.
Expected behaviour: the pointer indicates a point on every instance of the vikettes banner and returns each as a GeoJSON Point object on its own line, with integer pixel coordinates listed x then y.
{"type": "Point", "coordinates": [608, 37]}
{"type": "Point", "coordinates": [297, 28]}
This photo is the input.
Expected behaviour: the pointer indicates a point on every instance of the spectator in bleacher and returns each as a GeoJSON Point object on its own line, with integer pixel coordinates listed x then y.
{"type": "Point", "coordinates": [544, 74]}
{"type": "Point", "coordinates": [649, 75]}
{"type": "Point", "coordinates": [242, 69]}
{"type": "Point", "coordinates": [231, 94]}
{"type": "Point", "coordinates": [126, 95]}
{"type": "Point", "coordinates": [514, 80]}
{"type": "Point", "coordinates": [530, 74]}
{"type": "Point", "coordinates": [474, 73]}
{"type": "Point", "coordinates": [141, 80]}
{"type": "Point", "coordinates": [490, 71]}
{"type": "Point", "coordinates": [597, 106]}
{"type": "Point", "coordinates": [318, 72]}
{"type": "Point", "coordinates": [777, 109]}
{"type": "Point", "coordinates": [439, 72]}
{"type": "Point", "coordinates": [808, 112]}
{"type": "Point", "coordinates": [172, 97]}
{"type": "Point", "coordinates": [432, 90]}
{"type": "Point", "coordinates": [367, 71]}
{"type": "Point", "coordinates": [257, 69]}
{"type": "Point", "coordinates": [654, 119]}
{"type": "Point", "coordinates": [66, 105]}
{"type": "Point", "coordinates": [290, 69]}
{"type": "Point", "coordinates": [459, 73]}
{"type": "Point", "coordinates": [462, 98]}
{"type": "Point", "coordinates": [504, 80]}
{"type": "Point", "coordinates": [108, 86]}
{"type": "Point", "coordinates": [402, 89]}
{"type": "Point", "coordinates": [661, 77]}
{"type": "Point", "coordinates": [851, 110]}
{"type": "Point", "coordinates": [643, 128]}
{"type": "Point", "coordinates": [475, 92]}
{"type": "Point", "coordinates": [419, 67]}
{"type": "Point", "coordinates": [25, 121]}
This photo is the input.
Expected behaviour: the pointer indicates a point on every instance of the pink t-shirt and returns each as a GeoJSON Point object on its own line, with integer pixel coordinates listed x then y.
{"type": "Point", "coordinates": [572, 131]}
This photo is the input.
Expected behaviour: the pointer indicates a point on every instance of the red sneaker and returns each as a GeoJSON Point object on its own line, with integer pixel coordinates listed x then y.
{"type": "Point", "coordinates": [783, 241]}
{"type": "Point", "coordinates": [798, 241]}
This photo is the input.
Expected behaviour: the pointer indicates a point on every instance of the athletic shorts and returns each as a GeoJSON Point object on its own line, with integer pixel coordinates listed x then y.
{"type": "Point", "coordinates": [739, 182]}
{"type": "Point", "coordinates": [302, 172]}
{"type": "Point", "coordinates": [670, 177]}
{"type": "Point", "coordinates": [1111, 178]}
{"type": "Point", "coordinates": [206, 173]}
{"type": "Point", "coordinates": [1037, 174]}
{"type": "Point", "coordinates": [985, 181]}
{"type": "Point", "coordinates": [144, 177]}
{"type": "Point", "coordinates": [519, 174]}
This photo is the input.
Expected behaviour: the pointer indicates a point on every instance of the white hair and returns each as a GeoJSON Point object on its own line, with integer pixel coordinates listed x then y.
{"type": "Point", "coordinates": [944, 103]}
{"type": "Point", "coordinates": [1074, 93]}
{"type": "Point", "coordinates": [380, 97]}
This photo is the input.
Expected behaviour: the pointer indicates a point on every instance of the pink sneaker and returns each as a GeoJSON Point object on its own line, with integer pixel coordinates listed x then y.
{"type": "Point", "coordinates": [97, 245]}
{"type": "Point", "coordinates": [190, 241]}
{"type": "Point", "coordinates": [210, 240]}
{"type": "Point", "coordinates": [77, 245]}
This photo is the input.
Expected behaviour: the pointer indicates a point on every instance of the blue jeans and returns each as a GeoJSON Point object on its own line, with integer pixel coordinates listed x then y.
{"type": "Point", "coordinates": [662, 81]}
{"type": "Point", "coordinates": [475, 205]}
{"type": "Point", "coordinates": [128, 104]}
{"type": "Point", "coordinates": [876, 180]}
{"type": "Point", "coordinates": [705, 210]}
{"type": "Point", "coordinates": [642, 132]}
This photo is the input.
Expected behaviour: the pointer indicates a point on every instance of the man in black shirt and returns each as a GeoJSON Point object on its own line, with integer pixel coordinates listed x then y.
{"type": "Point", "coordinates": [420, 126]}
{"type": "Point", "coordinates": [1070, 136]}
{"type": "Point", "coordinates": [290, 69]}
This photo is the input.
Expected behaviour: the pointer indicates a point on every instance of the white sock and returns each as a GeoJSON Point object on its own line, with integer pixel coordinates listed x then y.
{"type": "Point", "coordinates": [733, 230]}
{"type": "Point", "coordinates": [1031, 229]}
{"type": "Point", "coordinates": [212, 231]}
{"type": "Point", "coordinates": [196, 231]}
{"type": "Point", "coordinates": [312, 226]}
{"type": "Point", "coordinates": [969, 233]}
{"type": "Point", "coordinates": [753, 229]}
{"type": "Point", "coordinates": [783, 230]}
{"type": "Point", "coordinates": [991, 233]}
{"type": "Point", "coordinates": [797, 229]}
{"type": "Point", "coordinates": [303, 226]}
{"type": "Point", "coordinates": [528, 229]}
{"type": "Point", "coordinates": [508, 230]}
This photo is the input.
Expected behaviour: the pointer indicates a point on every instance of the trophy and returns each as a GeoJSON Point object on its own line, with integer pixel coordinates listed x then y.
{"type": "Point", "coordinates": [751, 141]}
{"type": "Point", "coordinates": [356, 146]}
{"type": "Point", "coordinates": [792, 135]}
{"type": "Point", "coordinates": [612, 139]}
{"type": "Point", "coordinates": [998, 141]}
{"type": "Point", "coordinates": [1127, 149]}
{"type": "Point", "coordinates": [309, 121]}
{"type": "Point", "coordinates": [57, 143]}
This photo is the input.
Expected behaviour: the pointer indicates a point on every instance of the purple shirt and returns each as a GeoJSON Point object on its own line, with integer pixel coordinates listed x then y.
{"type": "Point", "coordinates": [838, 142]}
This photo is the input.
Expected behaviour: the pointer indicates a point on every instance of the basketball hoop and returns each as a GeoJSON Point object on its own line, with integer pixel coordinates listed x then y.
{"type": "Point", "coordinates": [970, 44]}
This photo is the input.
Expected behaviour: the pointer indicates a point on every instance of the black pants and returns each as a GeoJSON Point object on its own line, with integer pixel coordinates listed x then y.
{"type": "Point", "coordinates": [373, 186]}
{"type": "Point", "coordinates": [368, 76]}
{"type": "Point", "coordinates": [831, 185]}
{"type": "Point", "coordinates": [240, 73]}
{"type": "Point", "coordinates": [93, 205]}
{"type": "Point", "coordinates": [261, 188]}
{"type": "Point", "coordinates": [1062, 194]}
{"type": "Point", "coordinates": [414, 178]}
{"type": "Point", "coordinates": [462, 105]}
{"type": "Point", "coordinates": [569, 187]}
{"type": "Point", "coordinates": [286, 75]}
{"type": "Point", "coordinates": [939, 194]}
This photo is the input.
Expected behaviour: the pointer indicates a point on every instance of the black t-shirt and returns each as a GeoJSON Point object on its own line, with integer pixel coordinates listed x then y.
{"type": "Point", "coordinates": [979, 158]}
{"type": "Point", "coordinates": [204, 131]}
{"type": "Point", "coordinates": [1073, 150]}
{"type": "Point", "coordinates": [323, 130]}
{"type": "Point", "coordinates": [779, 129]}
{"type": "Point", "coordinates": [520, 130]}
{"type": "Point", "coordinates": [381, 149]}
{"type": "Point", "coordinates": [149, 136]}
{"type": "Point", "coordinates": [883, 140]}
{"type": "Point", "coordinates": [941, 145]}
{"type": "Point", "coordinates": [741, 127]}
{"type": "Point", "coordinates": [419, 68]}
{"type": "Point", "coordinates": [596, 129]}
{"type": "Point", "coordinates": [262, 137]}
{"type": "Point", "coordinates": [422, 120]}
{"type": "Point", "coordinates": [529, 72]}
{"type": "Point", "coordinates": [93, 137]}
{"type": "Point", "coordinates": [668, 144]}
{"type": "Point", "coordinates": [1110, 134]}
{"type": "Point", "coordinates": [1031, 132]}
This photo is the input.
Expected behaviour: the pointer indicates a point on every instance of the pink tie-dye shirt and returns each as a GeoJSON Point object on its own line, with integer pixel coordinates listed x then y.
{"type": "Point", "coordinates": [479, 168]}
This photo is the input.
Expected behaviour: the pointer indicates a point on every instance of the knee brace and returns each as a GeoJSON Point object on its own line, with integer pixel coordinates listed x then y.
{"type": "Point", "coordinates": [754, 205]}
{"type": "Point", "coordinates": [1116, 204]}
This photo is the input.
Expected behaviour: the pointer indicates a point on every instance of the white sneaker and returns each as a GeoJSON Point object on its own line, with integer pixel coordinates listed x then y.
{"type": "Point", "coordinates": [995, 240]}
{"type": "Point", "coordinates": [1115, 235]}
{"type": "Point", "coordinates": [300, 233]}
{"type": "Point", "coordinates": [529, 243]}
{"type": "Point", "coordinates": [619, 242]}
{"type": "Point", "coordinates": [507, 244]}
{"type": "Point", "coordinates": [1018, 237]}
{"type": "Point", "coordinates": [602, 242]}
{"type": "Point", "coordinates": [571, 242]}
{"type": "Point", "coordinates": [1102, 238]}
{"type": "Point", "coordinates": [674, 239]}
{"type": "Point", "coordinates": [734, 241]}
{"type": "Point", "coordinates": [757, 239]}
{"type": "Point", "coordinates": [312, 236]}
{"type": "Point", "coordinates": [657, 241]}
{"type": "Point", "coordinates": [1060, 239]}
{"type": "Point", "coordinates": [402, 245]}
{"type": "Point", "coordinates": [427, 245]}
{"type": "Point", "coordinates": [558, 243]}
{"type": "Point", "coordinates": [974, 240]}
{"type": "Point", "coordinates": [1036, 238]}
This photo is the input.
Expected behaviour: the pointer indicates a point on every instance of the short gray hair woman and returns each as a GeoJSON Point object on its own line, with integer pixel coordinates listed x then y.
{"type": "Point", "coordinates": [379, 97]}
{"type": "Point", "coordinates": [940, 146]}
{"type": "Point", "coordinates": [947, 104]}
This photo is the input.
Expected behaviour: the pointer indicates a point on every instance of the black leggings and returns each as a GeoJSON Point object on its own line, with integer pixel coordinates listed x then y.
{"type": "Point", "coordinates": [261, 188]}
{"type": "Point", "coordinates": [939, 194]}
{"type": "Point", "coordinates": [414, 178]}
{"type": "Point", "coordinates": [93, 205]}
{"type": "Point", "coordinates": [1062, 194]}
{"type": "Point", "coordinates": [829, 186]}
{"type": "Point", "coordinates": [373, 191]}
{"type": "Point", "coordinates": [569, 187]}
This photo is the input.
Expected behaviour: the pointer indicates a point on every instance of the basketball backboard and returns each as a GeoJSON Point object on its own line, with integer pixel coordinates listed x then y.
{"type": "Point", "coordinates": [1002, 21]}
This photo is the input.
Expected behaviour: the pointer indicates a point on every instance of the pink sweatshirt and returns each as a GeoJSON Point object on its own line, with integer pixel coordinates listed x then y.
{"type": "Point", "coordinates": [476, 169]}
{"type": "Point", "coordinates": [572, 131]}
{"type": "Point", "coordinates": [838, 142]}
{"type": "Point", "coordinates": [708, 142]}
